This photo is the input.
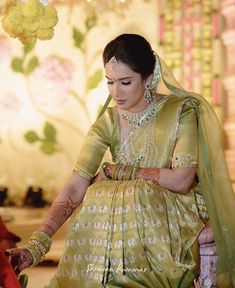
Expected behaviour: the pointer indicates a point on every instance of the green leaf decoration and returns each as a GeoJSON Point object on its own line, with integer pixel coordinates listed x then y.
{"type": "Point", "coordinates": [28, 48]}
{"type": "Point", "coordinates": [90, 22]}
{"type": "Point", "coordinates": [17, 65]}
{"type": "Point", "coordinates": [48, 147]}
{"type": "Point", "coordinates": [78, 37]}
{"type": "Point", "coordinates": [48, 142]}
{"type": "Point", "coordinates": [31, 136]}
{"type": "Point", "coordinates": [49, 132]}
{"type": "Point", "coordinates": [95, 79]}
{"type": "Point", "coordinates": [33, 63]}
{"type": "Point", "coordinates": [23, 279]}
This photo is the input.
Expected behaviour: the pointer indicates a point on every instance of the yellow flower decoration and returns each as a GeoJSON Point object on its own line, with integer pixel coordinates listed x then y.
{"type": "Point", "coordinates": [29, 20]}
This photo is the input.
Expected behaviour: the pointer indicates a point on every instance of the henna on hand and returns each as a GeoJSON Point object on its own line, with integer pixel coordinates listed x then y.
{"type": "Point", "coordinates": [19, 259]}
{"type": "Point", "coordinates": [150, 174]}
{"type": "Point", "coordinates": [58, 213]}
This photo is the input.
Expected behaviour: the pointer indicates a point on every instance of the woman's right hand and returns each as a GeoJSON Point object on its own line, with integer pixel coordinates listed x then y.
{"type": "Point", "coordinates": [19, 259]}
{"type": "Point", "coordinates": [98, 177]}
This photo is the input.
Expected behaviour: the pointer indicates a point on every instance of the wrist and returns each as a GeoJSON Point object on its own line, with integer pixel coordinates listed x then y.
{"type": "Point", "coordinates": [149, 174]}
{"type": "Point", "coordinates": [139, 173]}
{"type": "Point", "coordinates": [124, 172]}
{"type": "Point", "coordinates": [38, 245]}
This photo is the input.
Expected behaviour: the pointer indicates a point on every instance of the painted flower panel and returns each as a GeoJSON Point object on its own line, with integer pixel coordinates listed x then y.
{"type": "Point", "coordinates": [50, 83]}
{"type": "Point", "coordinates": [9, 107]}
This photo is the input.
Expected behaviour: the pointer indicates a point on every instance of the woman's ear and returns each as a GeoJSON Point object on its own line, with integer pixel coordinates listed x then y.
{"type": "Point", "coordinates": [149, 79]}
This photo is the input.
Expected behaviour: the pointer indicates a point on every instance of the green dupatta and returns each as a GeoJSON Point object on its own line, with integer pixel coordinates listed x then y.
{"type": "Point", "coordinates": [214, 180]}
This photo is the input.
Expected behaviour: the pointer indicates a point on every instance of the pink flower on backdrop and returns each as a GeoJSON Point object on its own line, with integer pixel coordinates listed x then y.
{"type": "Point", "coordinates": [4, 51]}
{"type": "Point", "coordinates": [9, 107]}
{"type": "Point", "coordinates": [50, 83]}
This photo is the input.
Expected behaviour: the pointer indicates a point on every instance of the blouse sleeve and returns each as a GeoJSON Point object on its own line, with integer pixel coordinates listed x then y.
{"type": "Point", "coordinates": [186, 146]}
{"type": "Point", "coordinates": [95, 145]}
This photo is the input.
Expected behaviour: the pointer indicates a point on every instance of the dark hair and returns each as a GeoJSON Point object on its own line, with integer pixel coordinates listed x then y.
{"type": "Point", "coordinates": [133, 50]}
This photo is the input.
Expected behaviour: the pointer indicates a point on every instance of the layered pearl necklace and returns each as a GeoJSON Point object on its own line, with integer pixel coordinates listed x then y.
{"type": "Point", "coordinates": [137, 119]}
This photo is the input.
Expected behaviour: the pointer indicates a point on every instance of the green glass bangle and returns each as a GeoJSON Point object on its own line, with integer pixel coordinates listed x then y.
{"type": "Point", "coordinates": [38, 245]}
{"type": "Point", "coordinates": [43, 238]}
{"type": "Point", "coordinates": [36, 256]}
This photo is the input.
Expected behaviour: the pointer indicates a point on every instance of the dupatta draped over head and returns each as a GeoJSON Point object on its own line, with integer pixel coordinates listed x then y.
{"type": "Point", "coordinates": [213, 175]}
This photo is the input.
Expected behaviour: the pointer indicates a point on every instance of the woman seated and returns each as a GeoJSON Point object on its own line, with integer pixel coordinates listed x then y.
{"type": "Point", "coordinates": [138, 220]}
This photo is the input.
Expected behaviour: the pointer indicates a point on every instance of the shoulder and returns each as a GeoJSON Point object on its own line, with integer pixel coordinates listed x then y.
{"type": "Point", "coordinates": [107, 116]}
{"type": "Point", "coordinates": [171, 99]}
{"type": "Point", "coordinates": [181, 103]}
{"type": "Point", "coordinates": [177, 107]}
{"type": "Point", "coordinates": [104, 124]}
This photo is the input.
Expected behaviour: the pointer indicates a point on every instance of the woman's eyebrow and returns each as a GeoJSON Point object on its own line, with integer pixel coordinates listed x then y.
{"type": "Point", "coordinates": [123, 78]}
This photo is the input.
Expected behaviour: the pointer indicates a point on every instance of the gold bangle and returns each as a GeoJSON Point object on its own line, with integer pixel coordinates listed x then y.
{"type": "Point", "coordinates": [128, 173]}
{"type": "Point", "coordinates": [115, 172]}
{"type": "Point", "coordinates": [134, 172]}
{"type": "Point", "coordinates": [104, 167]}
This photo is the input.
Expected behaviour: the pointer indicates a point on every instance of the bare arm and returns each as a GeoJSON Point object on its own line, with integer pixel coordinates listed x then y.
{"type": "Point", "coordinates": [178, 180]}
{"type": "Point", "coordinates": [68, 199]}
{"type": "Point", "coordinates": [180, 177]}
{"type": "Point", "coordinates": [65, 203]}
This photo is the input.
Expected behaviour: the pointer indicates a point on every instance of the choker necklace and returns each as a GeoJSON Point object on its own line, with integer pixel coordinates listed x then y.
{"type": "Point", "coordinates": [137, 119]}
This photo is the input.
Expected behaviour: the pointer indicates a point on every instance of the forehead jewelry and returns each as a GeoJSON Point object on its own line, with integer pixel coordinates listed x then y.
{"type": "Point", "coordinates": [113, 60]}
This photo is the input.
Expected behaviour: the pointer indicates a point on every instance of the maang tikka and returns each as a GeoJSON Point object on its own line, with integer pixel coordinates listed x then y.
{"type": "Point", "coordinates": [113, 60]}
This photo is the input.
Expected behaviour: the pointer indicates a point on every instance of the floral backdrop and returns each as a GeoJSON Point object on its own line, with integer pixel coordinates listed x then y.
{"type": "Point", "coordinates": [51, 92]}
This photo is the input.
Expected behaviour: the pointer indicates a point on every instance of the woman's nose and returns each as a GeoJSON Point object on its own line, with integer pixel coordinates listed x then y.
{"type": "Point", "coordinates": [115, 90]}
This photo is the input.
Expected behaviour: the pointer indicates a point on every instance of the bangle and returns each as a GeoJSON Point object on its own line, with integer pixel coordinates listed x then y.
{"type": "Point", "coordinates": [104, 167]}
{"type": "Point", "coordinates": [125, 169]}
{"type": "Point", "coordinates": [38, 245]}
{"type": "Point", "coordinates": [134, 172]}
{"type": "Point", "coordinates": [36, 257]}
{"type": "Point", "coordinates": [116, 172]}
{"type": "Point", "coordinates": [128, 172]}
{"type": "Point", "coordinates": [120, 173]}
